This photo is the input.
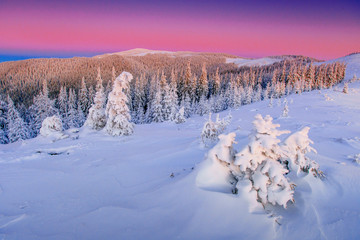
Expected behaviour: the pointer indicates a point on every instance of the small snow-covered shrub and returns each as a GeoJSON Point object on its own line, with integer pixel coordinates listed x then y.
{"type": "Point", "coordinates": [295, 147]}
{"type": "Point", "coordinates": [180, 116]}
{"type": "Point", "coordinates": [327, 98]}
{"type": "Point", "coordinates": [355, 158]}
{"type": "Point", "coordinates": [285, 112]}
{"type": "Point", "coordinates": [51, 126]}
{"type": "Point", "coordinates": [259, 163]}
{"type": "Point", "coordinates": [212, 130]}
{"type": "Point", "coordinates": [346, 88]}
{"type": "Point", "coordinates": [353, 79]}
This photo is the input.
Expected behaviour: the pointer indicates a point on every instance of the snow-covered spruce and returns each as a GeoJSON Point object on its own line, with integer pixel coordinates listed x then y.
{"type": "Point", "coordinates": [285, 112]}
{"type": "Point", "coordinates": [211, 130]}
{"type": "Point", "coordinates": [259, 163]}
{"type": "Point", "coordinates": [295, 148]}
{"type": "Point", "coordinates": [346, 88]}
{"type": "Point", "coordinates": [117, 112]}
{"type": "Point", "coordinates": [16, 127]}
{"type": "Point", "coordinates": [96, 118]}
{"type": "Point", "coordinates": [180, 116]}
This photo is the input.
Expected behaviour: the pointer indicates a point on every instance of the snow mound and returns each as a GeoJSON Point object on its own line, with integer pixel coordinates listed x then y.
{"type": "Point", "coordinates": [214, 173]}
{"type": "Point", "coordinates": [51, 128]}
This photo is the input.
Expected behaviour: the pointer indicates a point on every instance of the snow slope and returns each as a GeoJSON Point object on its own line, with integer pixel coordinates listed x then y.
{"type": "Point", "coordinates": [93, 186]}
{"type": "Point", "coordinates": [240, 62]}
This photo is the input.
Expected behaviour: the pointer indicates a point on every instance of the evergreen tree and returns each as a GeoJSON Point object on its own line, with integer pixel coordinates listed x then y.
{"type": "Point", "coordinates": [166, 99]}
{"type": "Point", "coordinates": [346, 88]}
{"type": "Point", "coordinates": [118, 122]}
{"type": "Point", "coordinates": [259, 164]}
{"type": "Point", "coordinates": [216, 84]}
{"type": "Point", "coordinates": [84, 97]}
{"type": "Point", "coordinates": [62, 105]}
{"type": "Point", "coordinates": [3, 112]}
{"type": "Point", "coordinates": [42, 108]}
{"type": "Point", "coordinates": [96, 118]}
{"type": "Point", "coordinates": [202, 87]}
{"type": "Point", "coordinates": [72, 118]}
{"type": "Point", "coordinates": [156, 108]}
{"type": "Point", "coordinates": [16, 127]}
{"type": "Point", "coordinates": [180, 116]}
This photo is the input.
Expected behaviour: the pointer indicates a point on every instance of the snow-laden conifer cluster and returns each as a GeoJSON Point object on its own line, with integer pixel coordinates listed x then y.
{"type": "Point", "coordinates": [211, 130]}
{"type": "Point", "coordinates": [260, 168]}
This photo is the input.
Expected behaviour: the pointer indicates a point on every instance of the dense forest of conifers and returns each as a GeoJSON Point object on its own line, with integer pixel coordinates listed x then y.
{"type": "Point", "coordinates": [33, 89]}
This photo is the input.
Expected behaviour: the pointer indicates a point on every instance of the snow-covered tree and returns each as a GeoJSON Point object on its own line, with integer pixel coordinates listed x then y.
{"type": "Point", "coordinates": [156, 108]}
{"type": "Point", "coordinates": [202, 87]}
{"type": "Point", "coordinates": [42, 108]}
{"type": "Point", "coordinates": [72, 117]}
{"type": "Point", "coordinates": [211, 130]}
{"type": "Point", "coordinates": [180, 116]}
{"type": "Point", "coordinates": [117, 111]}
{"type": "Point", "coordinates": [285, 112]}
{"type": "Point", "coordinates": [354, 78]}
{"type": "Point", "coordinates": [346, 88]}
{"type": "Point", "coordinates": [216, 83]}
{"type": "Point", "coordinates": [296, 147]}
{"type": "Point", "coordinates": [271, 102]}
{"type": "Point", "coordinates": [166, 99]}
{"type": "Point", "coordinates": [16, 127]}
{"type": "Point", "coordinates": [259, 163]}
{"type": "Point", "coordinates": [96, 118]}
{"type": "Point", "coordinates": [62, 105]}
{"type": "Point", "coordinates": [3, 110]}
{"type": "Point", "coordinates": [83, 100]}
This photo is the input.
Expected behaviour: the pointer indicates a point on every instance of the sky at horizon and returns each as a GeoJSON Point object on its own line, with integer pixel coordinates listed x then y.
{"type": "Point", "coordinates": [42, 28]}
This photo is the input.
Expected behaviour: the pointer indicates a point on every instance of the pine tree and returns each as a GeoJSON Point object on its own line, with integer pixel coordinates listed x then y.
{"type": "Point", "coordinates": [42, 108]}
{"type": "Point", "coordinates": [3, 112]}
{"type": "Point", "coordinates": [62, 105]}
{"type": "Point", "coordinates": [16, 127]}
{"type": "Point", "coordinates": [180, 116]}
{"type": "Point", "coordinates": [346, 88]}
{"type": "Point", "coordinates": [202, 87]}
{"type": "Point", "coordinates": [173, 97]}
{"type": "Point", "coordinates": [72, 120]}
{"type": "Point", "coordinates": [285, 112]}
{"type": "Point", "coordinates": [165, 98]}
{"type": "Point", "coordinates": [216, 84]}
{"type": "Point", "coordinates": [96, 118]}
{"type": "Point", "coordinates": [83, 101]}
{"type": "Point", "coordinates": [156, 108]}
{"type": "Point", "coordinates": [118, 122]}
{"type": "Point", "coordinates": [91, 98]}
{"type": "Point", "coordinates": [259, 163]}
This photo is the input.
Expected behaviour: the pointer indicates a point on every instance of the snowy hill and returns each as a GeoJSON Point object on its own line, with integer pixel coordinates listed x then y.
{"type": "Point", "coordinates": [353, 63]}
{"type": "Point", "coordinates": [140, 52]}
{"type": "Point", "coordinates": [94, 186]}
{"type": "Point", "coordinates": [253, 62]}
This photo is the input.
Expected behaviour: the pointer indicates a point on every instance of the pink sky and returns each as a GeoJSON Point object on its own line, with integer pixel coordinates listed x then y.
{"type": "Point", "coordinates": [31, 30]}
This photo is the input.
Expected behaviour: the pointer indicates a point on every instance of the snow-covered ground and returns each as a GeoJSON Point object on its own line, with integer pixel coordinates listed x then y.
{"type": "Point", "coordinates": [94, 186]}
{"type": "Point", "coordinates": [240, 62]}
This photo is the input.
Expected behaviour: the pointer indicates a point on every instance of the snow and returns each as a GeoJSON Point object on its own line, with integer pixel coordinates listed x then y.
{"type": "Point", "coordinates": [93, 186]}
{"type": "Point", "coordinates": [240, 62]}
